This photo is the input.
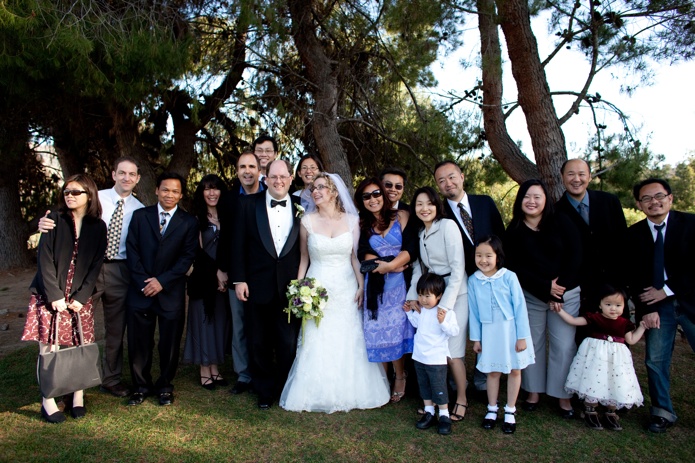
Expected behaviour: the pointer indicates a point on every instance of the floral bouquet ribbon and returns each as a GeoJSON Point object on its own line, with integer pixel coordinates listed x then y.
{"type": "Point", "coordinates": [306, 300]}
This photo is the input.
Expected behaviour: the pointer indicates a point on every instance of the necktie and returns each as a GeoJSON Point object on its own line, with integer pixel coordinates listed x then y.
{"type": "Point", "coordinates": [274, 203]}
{"type": "Point", "coordinates": [113, 237]}
{"type": "Point", "coordinates": [584, 212]}
{"type": "Point", "coordinates": [467, 221]}
{"type": "Point", "coordinates": [163, 222]}
{"type": "Point", "coordinates": [659, 257]}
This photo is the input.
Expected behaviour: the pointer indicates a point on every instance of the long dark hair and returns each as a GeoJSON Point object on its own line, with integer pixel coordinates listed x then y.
{"type": "Point", "coordinates": [434, 198]}
{"type": "Point", "coordinates": [369, 221]}
{"type": "Point", "coordinates": [200, 207]}
{"type": "Point", "coordinates": [93, 204]}
{"type": "Point", "coordinates": [297, 179]}
{"type": "Point", "coordinates": [518, 215]}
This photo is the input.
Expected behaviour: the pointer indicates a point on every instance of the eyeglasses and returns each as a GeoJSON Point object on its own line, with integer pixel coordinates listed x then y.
{"type": "Point", "coordinates": [648, 199]}
{"type": "Point", "coordinates": [74, 192]}
{"type": "Point", "coordinates": [397, 186]}
{"type": "Point", "coordinates": [266, 151]}
{"type": "Point", "coordinates": [283, 178]}
{"type": "Point", "coordinates": [309, 168]}
{"type": "Point", "coordinates": [319, 187]}
{"type": "Point", "coordinates": [373, 194]}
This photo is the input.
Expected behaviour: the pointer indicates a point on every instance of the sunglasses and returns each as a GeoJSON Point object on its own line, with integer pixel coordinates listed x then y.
{"type": "Point", "coordinates": [397, 186]}
{"type": "Point", "coordinates": [74, 192]}
{"type": "Point", "coordinates": [373, 194]}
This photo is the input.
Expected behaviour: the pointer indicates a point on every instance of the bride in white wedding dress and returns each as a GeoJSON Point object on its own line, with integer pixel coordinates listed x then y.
{"type": "Point", "coordinates": [331, 371]}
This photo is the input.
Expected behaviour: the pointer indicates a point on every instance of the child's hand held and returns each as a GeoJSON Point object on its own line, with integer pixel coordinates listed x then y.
{"type": "Point", "coordinates": [477, 347]}
{"type": "Point", "coordinates": [520, 345]}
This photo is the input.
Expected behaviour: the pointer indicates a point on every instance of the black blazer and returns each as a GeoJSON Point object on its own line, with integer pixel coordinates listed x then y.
{"type": "Point", "coordinates": [679, 261]}
{"type": "Point", "coordinates": [55, 254]}
{"type": "Point", "coordinates": [486, 221]}
{"type": "Point", "coordinates": [166, 258]}
{"type": "Point", "coordinates": [255, 261]}
{"type": "Point", "coordinates": [604, 236]}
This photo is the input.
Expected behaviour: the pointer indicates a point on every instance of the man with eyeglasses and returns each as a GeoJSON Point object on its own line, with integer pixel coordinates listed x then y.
{"type": "Point", "coordinates": [265, 255]}
{"type": "Point", "coordinates": [662, 285]}
{"type": "Point", "coordinates": [599, 218]}
{"type": "Point", "coordinates": [117, 206]}
{"type": "Point", "coordinates": [246, 183]}
{"type": "Point", "coordinates": [265, 148]}
{"type": "Point", "coordinates": [393, 179]}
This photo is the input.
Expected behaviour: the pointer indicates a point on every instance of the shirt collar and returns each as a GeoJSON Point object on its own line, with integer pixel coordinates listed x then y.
{"type": "Point", "coordinates": [115, 197]}
{"type": "Point", "coordinates": [498, 274]}
{"type": "Point", "coordinates": [652, 224]}
{"type": "Point", "coordinates": [268, 198]}
{"type": "Point", "coordinates": [466, 205]}
{"type": "Point", "coordinates": [171, 212]}
{"type": "Point", "coordinates": [575, 203]}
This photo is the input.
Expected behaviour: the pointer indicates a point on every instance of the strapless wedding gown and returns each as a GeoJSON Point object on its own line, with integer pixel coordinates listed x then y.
{"type": "Point", "coordinates": [331, 371]}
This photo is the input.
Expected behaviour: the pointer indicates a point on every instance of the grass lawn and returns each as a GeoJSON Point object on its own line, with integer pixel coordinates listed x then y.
{"type": "Point", "coordinates": [216, 426]}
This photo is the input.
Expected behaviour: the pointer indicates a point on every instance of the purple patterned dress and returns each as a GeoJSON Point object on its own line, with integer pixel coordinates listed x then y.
{"type": "Point", "coordinates": [390, 335]}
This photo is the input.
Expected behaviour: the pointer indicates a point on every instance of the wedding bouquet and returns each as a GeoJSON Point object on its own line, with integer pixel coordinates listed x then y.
{"type": "Point", "coordinates": [307, 299]}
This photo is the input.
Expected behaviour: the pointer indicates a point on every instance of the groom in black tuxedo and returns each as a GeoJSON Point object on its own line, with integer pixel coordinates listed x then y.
{"type": "Point", "coordinates": [266, 257]}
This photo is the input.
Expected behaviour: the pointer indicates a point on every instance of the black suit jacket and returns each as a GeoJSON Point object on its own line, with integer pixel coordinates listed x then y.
{"type": "Point", "coordinates": [166, 257]}
{"type": "Point", "coordinates": [486, 221]}
{"type": "Point", "coordinates": [255, 261]}
{"type": "Point", "coordinates": [604, 236]}
{"type": "Point", "coordinates": [679, 261]}
{"type": "Point", "coordinates": [55, 254]}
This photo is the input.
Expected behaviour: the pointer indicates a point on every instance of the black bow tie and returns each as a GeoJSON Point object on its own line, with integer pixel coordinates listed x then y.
{"type": "Point", "coordinates": [274, 203]}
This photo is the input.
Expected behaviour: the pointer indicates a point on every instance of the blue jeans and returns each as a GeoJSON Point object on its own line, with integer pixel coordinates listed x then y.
{"type": "Point", "coordinates": [660, 344]}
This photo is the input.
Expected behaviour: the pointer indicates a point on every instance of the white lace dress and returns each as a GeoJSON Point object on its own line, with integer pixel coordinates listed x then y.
{"type": "Point", "coordinates": [331, 371]}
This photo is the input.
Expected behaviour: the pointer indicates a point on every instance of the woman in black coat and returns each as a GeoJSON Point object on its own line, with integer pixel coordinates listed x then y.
{"type": "Point", "coordinates": [70, 258]}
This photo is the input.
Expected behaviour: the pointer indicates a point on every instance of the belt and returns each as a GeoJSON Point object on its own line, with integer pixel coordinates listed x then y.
{"type": "Point", "coordinates": [608, 338]}
{"type": "Point", "coordinates": [113, 261]}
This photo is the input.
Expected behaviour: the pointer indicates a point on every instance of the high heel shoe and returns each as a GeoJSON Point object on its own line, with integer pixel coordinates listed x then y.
{"type": "Point", "coordinates": [219, 380]}
{"type": "Point", "coordinates": [397, 396]}
{"type": "Point", "coordinates": [208, 383]}
{"type": "Point", "coordinates": [55, 418]}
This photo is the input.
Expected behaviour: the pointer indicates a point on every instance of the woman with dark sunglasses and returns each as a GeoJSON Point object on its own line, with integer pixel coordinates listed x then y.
{"type": "Point", "coordinates": [387, 332]}
{"type": "Point", "coordinates": [70, 258]}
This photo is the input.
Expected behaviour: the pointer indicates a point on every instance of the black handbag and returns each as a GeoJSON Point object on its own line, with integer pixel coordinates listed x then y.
{"type": "Point", "coordinates": [370, 265]}
{"type": "Point", "coordinates": [63, 371]}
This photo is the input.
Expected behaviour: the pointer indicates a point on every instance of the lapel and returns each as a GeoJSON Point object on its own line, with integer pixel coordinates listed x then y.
{"type": "Point", "coordinates": [432, 234]}
{"type": "Point", "coordinates": [574, 214]}
{"type": "Point", "coordinates": [153, 220]}
{"type": "Point", "coordinates": [264, 226]}
{"type": "Point", "coordinates": [671, 238]}
{"type": "Point", "coordinates": [174, 222]}
{"type": "Point", "coordinates": [294, 233]}
{"type": "Point", "coordinates": [451, 215]}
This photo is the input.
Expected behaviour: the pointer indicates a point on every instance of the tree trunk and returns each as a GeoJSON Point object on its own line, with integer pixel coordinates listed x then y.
{"type": "Point", "coordinates": [321, 71]}
{"type": "Point", "coordinates": [547, 137]}
{"type": "Point", "coordinates": [128, 140]}
{"type": "Point", "coordinates": [503, 148]}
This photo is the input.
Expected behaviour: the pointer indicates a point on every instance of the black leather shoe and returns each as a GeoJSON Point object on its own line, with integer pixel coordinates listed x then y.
{"type": "Point", "coordinates": [659, 424]}
{"type": "Point", "coordinates": [529, 406]}
{"type": "Point", "coordinates": [57, 417]}
{"type": "Point", "coordinates": [427, 421]}
{"type": "Point", "coordinates": [137, 398]}
{"type": "Point", "coordinates": [166, 398]}
{"type": "Point", "coordinates": [75, 412]}
{"type": "Point", "coordinates": [444, 426]}
{"type": "Point", "coordinates": [508, 428]}
{"type": "Point", "coordinates": [567, 414]}
{"type": "Point", "coordinates": [220, 381]}
{"type": "Point", "coordinates": [264, 403]}
{"type": "Point", "coordinates": [117, 390]}
{"type": "Point", "coordinates": [489, 424]}
{"type": "Point", "coordinates": [240, 387]}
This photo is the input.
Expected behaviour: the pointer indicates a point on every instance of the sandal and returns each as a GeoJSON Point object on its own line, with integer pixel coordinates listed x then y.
{"type": "Point", "coordinates": [454, 414]}
{"type": "Point", "coordinates": [591, 418]}
{"type": "Point", "coordinates": [207, 382]}
{"type": "Point", "coordinates": [219, 380]}
{"type": "Point", "coordinates": [612, 421]}
{"type": "Point", "coordinates": [397, 396]}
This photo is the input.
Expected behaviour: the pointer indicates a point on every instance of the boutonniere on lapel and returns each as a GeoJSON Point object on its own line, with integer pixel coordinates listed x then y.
{"type": "Point", "coordinates": [300, 211]}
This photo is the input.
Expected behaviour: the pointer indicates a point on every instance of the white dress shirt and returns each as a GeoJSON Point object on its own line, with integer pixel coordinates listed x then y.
{"type": "Point", "coordinates": [109, 199]}
{"type": "Point", "coordinates": [280, 220]}
{"type": "Point", "coordinates": [171, 213]}
{"type": "Point", "coordinates": [457, 213]}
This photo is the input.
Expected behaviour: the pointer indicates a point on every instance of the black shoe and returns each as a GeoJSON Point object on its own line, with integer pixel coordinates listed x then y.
{"type": "Point", "coordinates": [166, 398]}
{"type": "Point", "coordinates": [529, 406]}
{"type": "Point", "coordinates": [427, 421]}
{"type": "Point", "coordinates": [508, 428]}
{"type": "Point", "coordinates": [75, 412]}
{"type": "Point", "coordinates": [208, 383]}
{"type": "Point", "coordinates": [489, 423]}
{"type": "Point", "coordinates": [220, 381]}
{"type": "Point", "coordinates": [240, 387]}
{"type": "Point", "coordinates": [117, 390]}
{"type": "Point", "coordinates": [444, 426]}
{"type": "Point", "coordinates": [137, 398]}
{"type": "Point", "coordinates": [55, 418]}
{"type": "Point", "coordinates": [659, 424]}
{"type": "Point", "coordinates": [612, 421]}
{"type": "Point", "coordinates": [264, 403]}
{"type": "Point", "coordinates": [567, 414]}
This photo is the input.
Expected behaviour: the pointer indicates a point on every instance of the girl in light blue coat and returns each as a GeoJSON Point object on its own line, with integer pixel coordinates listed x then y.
{"type": "Point", "coordinates": [499, 328]}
